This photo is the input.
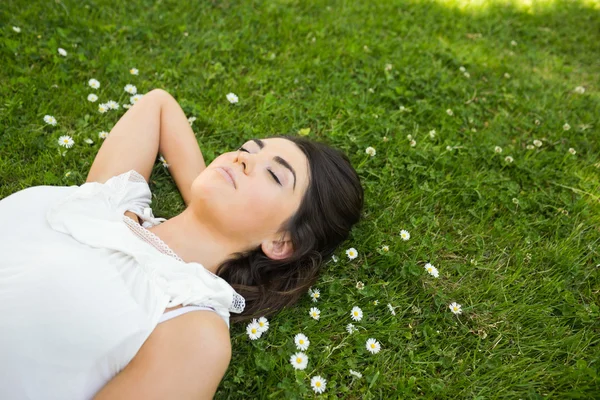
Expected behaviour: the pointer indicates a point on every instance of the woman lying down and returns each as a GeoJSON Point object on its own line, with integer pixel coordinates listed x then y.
{"type": "Point", "coordinates": [100, 300]}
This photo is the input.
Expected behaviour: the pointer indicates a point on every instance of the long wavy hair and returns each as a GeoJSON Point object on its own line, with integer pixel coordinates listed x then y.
{"type": "Point", "coordinates": [330, 207]}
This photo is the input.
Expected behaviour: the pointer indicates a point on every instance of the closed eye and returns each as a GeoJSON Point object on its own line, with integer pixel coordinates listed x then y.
{"type": "Point", "coordinates": [271, 172]}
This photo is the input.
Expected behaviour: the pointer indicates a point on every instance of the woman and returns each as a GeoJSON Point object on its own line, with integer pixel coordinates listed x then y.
{"type": "Point", "coordinates": [100, 299]}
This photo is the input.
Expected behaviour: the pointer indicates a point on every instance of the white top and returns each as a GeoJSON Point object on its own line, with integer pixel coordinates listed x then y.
{"type": "Point", "coordinates": [82, 286]}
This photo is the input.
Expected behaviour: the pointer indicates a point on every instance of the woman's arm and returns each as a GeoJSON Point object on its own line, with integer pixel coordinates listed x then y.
{"type": "Point", "coordinates": [155, 124]}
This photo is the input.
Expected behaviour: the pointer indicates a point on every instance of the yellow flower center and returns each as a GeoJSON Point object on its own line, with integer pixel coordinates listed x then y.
{"type": "Point", "coordinates": [301, 341]}
{"type": "Point", "coordinates": [253, 330]}
{"type": "Point", "coordinates": [356, 313]}
{"type": "Point", "coordinates": [298, 360]}
{"type": "Point", "coordinates": [372, 345]}
{"type": "Point", "coordinates": [261, 323]}
{"type": "Point", "coordinates": [318, 384]}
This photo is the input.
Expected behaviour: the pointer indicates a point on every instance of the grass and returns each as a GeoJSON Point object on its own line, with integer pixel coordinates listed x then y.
{"type": "Point", "coordinates": [526, 273]}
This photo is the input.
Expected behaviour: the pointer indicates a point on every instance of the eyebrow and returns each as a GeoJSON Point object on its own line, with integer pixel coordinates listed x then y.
{"type": "Point", "coordinates": [278, 160]}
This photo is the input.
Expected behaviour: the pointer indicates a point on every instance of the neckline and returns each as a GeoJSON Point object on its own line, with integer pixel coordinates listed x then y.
{"type": "Point", "coordinates": [150, 238]}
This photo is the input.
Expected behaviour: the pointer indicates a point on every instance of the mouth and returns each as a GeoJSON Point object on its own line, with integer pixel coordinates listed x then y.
{"type": "Point", "coordinates": [227, 174]}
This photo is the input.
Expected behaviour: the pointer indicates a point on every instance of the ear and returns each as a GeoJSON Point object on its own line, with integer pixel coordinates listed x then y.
{"type": "Point", "coordinates": [278, 248]}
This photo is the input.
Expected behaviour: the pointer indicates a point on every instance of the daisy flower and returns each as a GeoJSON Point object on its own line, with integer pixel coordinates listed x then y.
{"type": "Point", "coordinates": [462, 69]}
{"type": "Point", "coordinates": [94, 84]}
{"type": "Point", "coordinates": [537, 143]}
{"type": "Point", "coordinates": [62, 52]}
{"type": "Point", "coordinates": [301, 341]}
{"type": "Point", "coordinates": [578, 89]}
{"type": "Point", "coordinates": [134, 71]}
{"type": "Point", "coordinates": [507, 75]}
{"type": "Point", "coordinates": [388, 67]}
{"type": "Point", "coordinates": [191, 120]}
{"type": "Point", "coordinates": [163, 161]}
{"type": "Point", "coordinates": [350, 328]}
{"type": "Point", "coordinates": [455, 308]}
{"type": "Point", "coordinates": [315, 313]}
{"type": "Point", "coordinates": [467, 75]}
{"type": "Point", "coordinates": [129, 88]}
{"type": "Point", "coordinates": [102, 108]}
{"type": "Point", "coordinates": [566, 127]}
{"type": "Point", "coordinates": [432, 133]}
{"type": "Point", "coordinates": [66, 141]}
{"type": "Point", "coordinates": [572, 151]}
{"type": "Point", "coordinates": [449, 148]}
{"type": "Point", "coordinates": [432, 270]}
{"type": "Point", "coordinates": [356, 374]}
{"type": "Point", "coordinates": [449, 112]}
{"type": "Point", "coordinates": [253, 330]}
{"type": "Point", "coordinates": [370, 151]}
{"type": "Point", "coordinates": [385, 248]}
{"type": "Point", "coordinates": [103, 135]}
{"type": "Point", "coordinates": [413, 143]}
{"type": "Point", "coordinates": [375, 302]}
{"type": "Point", "coordinates": [515, 200]}
{"type": "Point", "coordinates": [360, 285]}
{"type": "Point", "coordinates": [373, 346]}
{"type": "Point", "coordinates": [391, 308]}
{"type": "Point", "coordinates": [263, 324]}
{"type": "Point", "coordinates": [67, 174]}
{"type": "Point", "coordinates": [513, 43]}
{"type": "Point", "coordinates": [314, 294]}
{"type": "Point", "coordinates": [404, 234]}
{"type": "Point", "coordinates": [299, 360]}
{"type": "Point", "coordinates": [113, 105]}
{"type": "Point", "coordinates": [92, 97]}
{"type": "Point", "coordinates": [127, 106]}
{"type": "Point", "coordinates": [232, 98]}
{"type": "Point", "coordinates": [17, 29]}
{"type": "Point", "coordinates": [498, 149]}
{"type": "Point", "coordinates": [135, 99]}
{"type": "Point", "coordinates": [318, 384]}
{"type": "Point", "coordinates": [508, 159]}
{"type": "Point", "coordinates": [50, 120]}
{"type": "Point", "coordinates": [351, 253]}
{"type": "Point", "coordinates": [530, 147]}
{"type": "Point", "coordinates": [356, 313]}
{"type": "Point", "coordinates": [88, 141]}
{"type": "Point", "coordinates": [409, 137]}
{"type": "Point", "coordinates": [334, 258]}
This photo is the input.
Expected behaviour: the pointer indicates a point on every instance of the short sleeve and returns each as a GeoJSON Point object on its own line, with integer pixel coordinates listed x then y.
{"type": "Point", "coordinates": [128, 191]}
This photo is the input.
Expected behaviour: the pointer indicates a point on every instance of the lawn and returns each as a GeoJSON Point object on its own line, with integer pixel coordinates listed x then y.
{"type": "Point", "coordinates": [483, 118]}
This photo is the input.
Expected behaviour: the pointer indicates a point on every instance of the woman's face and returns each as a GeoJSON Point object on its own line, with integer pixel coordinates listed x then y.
{"type": "Point", "coordinates": [251, 208]}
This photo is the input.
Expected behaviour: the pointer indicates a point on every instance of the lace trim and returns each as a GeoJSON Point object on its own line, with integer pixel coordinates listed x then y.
{"type": "Point", "coordinates": [237, 304]}
{"type": "Point", "coordinates": [150, 237]}
{"type": "Point", "coordinates": [136, 177]}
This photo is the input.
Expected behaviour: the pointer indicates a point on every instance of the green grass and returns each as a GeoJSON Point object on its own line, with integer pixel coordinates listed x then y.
{"type": "Point", "coordinates": [526, 274]}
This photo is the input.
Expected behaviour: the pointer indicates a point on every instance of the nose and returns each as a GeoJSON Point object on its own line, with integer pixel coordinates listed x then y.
{"type": "Point", "coordinates": [247, 161]}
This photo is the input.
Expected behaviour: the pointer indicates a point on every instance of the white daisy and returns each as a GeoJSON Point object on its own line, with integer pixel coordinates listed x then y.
{"type": "Point", "coordinates": [50, 120]}
{"type": "Point", "coordinates": [67, 174]}
{"type": "Point", "coordinates": [513, 43]}
{"type": "Point", "coordinates": [318, 384]}
{"type": "Point", "coordinates": [253, 330]}
{"type": "Point", "coordinates": [351, 328]}
{"type": "Point", "coordinates": [455, 308]}
{"type": "Point", "coordinates": [356, 313]}
{"type": "Point", "coordinates": [129, 88]}
{"type": "Point", "coordinates": [134, 71]}
{"type": "Point", "coordinates": [388, 67]}
{"type": "Point", "coordinates": [449, 112]}
{"type": "Point", "coordinates": [301, 341]}
{"type": "Point", "coordinates": [334, 258]}
{"type": "Point", "coordinates": [404, 234]}
{"type": "Point", "coordinates": [299, 360]}
{"type": "Point", "coordinates": [62, 52]}
{"type": "Point", "coordinates": [102, 108]}
{"type": "Point", "coordinates": [579, 89]}
{"type": "Point", "coordinates": [263, 324]}
{"type": "Point", "coordinates": [432, 270]}
{"type": "Point", "coordinates": [413, 143]}
{"type": "Point", "coordinates": [94, 84]}
{"type": "Point", "coordinates": [315, 313]}
{"type": "Point", "coordinates": [373, 346]}
{"type": "Point", "coordinates": [370, 151]}
{"type": "Point", "coordinates": [391, 308]}
{"type": "Point", "coordinates": [498, 149]}
{"type": "Point", "coordinates": [191, 120]}
{"type": "Point", "coordinates": [103, 135]}
{"type": "Point", "coordinates": [508, 159]}
{"type": "Point", "coordinates": [88, 141]}
{"type": "Point", "coordinates": [385, 248]}
{"type": "Point", "coordinates": [462, 69]}
{"type": "Point", "coordinates": [530, 147]}
{"type": "Point", "coordinates": [314, 294]}
{"type": "Point", "coordinates": [375, 302]}
{"type": "Point", "coordinates": [127, 106]}
{"type": "Point", "coordinates": [360, 285]}
{"type": "Point", "coordinates": [572, 151]}
{"type": "Point", "coordinates": [515, 200]}
{"type": "Point", "coordinates": [92, 97]}
{"type": "Point", "coordinates": [135, 99]}
{"type": "Point", "coordinates": [432, 133]}
{"type": "Point", "coordinates": [537, 122]}
{"type": "Point", "coordinates": [449, 148]}
{"type": "Point", "coordinates": [17, 29]}
{"type": "Point", "coordinates": [66, 141]}
{"type": "Point", "coordinates": [351, 253]}
{"type": "Point", "coordinates": [566, 127]}
{"type": "Point", "coordinates": [232, 98]}
{"type": "Point", "coordinates": [507, 75]}
{"type": "Point", "coordinates": [113, 105]}
{"type": "Point", "coordinates": [537, 143]}
{"type": "Point", "coordinates": [356, 374]}
{"type": "Point", "coordinates": [163, 161]}
{"type": "Point", "coordinates": [409, 137]}
{"type": "Point", "coordinates": [467, 75]}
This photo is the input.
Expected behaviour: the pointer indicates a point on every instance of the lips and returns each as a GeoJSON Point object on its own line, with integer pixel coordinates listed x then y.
{"type": "Point", "coordinates": [227, 174]}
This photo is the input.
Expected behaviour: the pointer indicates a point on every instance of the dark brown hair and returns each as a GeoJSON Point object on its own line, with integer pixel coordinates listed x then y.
{"type": "Point", "coordinates": [332, 204]}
